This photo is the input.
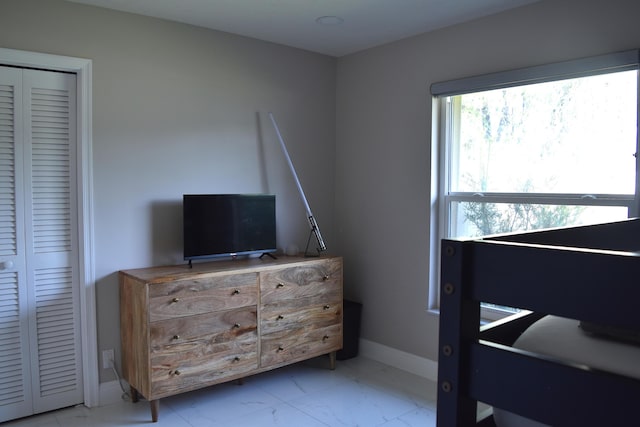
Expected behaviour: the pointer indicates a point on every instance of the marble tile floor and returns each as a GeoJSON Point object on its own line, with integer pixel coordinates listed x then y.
{"type": "Point", "coordinates": [359, 392]}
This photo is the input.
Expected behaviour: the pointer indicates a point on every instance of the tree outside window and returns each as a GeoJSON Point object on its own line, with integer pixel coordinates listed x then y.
{"type": "Point", "coordinates": [543, 155]}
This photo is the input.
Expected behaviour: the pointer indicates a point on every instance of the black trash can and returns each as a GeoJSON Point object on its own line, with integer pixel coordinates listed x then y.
{"type": "Point", "coordinates": [351, 334]}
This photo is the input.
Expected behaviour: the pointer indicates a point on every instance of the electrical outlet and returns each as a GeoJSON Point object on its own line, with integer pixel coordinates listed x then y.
{"type": "Point", "coordinates": [107, 357]}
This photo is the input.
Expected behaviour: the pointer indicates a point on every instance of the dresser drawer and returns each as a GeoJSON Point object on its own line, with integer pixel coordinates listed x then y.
{"type": "Point", "coordinates": [202, 295]}
{"type": "Point", "coordinates": [204, 332]}
{"type": "Point", "coordinates": [311, 279]}
{"type": "Point", "coordinates": [290, 345]}
{"type": "Point", "coordinates": [301, 313]}
{"type": "Point", "coordinates": [202, 365]}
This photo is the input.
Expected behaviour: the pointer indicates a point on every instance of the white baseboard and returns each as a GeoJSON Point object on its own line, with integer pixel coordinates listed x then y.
{"type": "Point", "coordinates": [417, 365]}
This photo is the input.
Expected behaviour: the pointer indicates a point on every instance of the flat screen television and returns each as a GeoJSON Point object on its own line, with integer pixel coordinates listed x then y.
{"type": "Point", "coordinates": [218, 225]}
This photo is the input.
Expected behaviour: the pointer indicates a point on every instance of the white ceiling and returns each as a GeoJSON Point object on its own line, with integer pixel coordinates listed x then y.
{"type": "Point", "coordinates": [366, 23]}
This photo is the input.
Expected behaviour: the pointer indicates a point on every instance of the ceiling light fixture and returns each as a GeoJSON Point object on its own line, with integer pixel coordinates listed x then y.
{"type": "Point", "coordinates": [329, 20]}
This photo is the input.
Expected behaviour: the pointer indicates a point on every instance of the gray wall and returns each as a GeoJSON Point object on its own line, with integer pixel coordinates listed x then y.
{"type": "Point", "coordinates": [384, 135]}
{"type": "Point", "coordinates": [179, 109]}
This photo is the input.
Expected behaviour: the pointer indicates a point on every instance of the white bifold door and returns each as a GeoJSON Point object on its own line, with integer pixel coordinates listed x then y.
{"type": "Point", "coordinates": [40, 357]}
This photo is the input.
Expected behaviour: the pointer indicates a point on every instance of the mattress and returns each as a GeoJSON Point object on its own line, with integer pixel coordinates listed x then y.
{"type": "Point", "coordinates": [563, 338]}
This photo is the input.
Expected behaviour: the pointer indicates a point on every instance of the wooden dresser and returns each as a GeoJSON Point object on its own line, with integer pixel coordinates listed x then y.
{"type": "Point", "coordinates": [185, 328]}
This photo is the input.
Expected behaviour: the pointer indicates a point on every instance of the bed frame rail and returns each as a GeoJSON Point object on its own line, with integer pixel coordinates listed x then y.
{"type": "Point", "coordinates": [518, 381]}
{"type": "Point", "coordinates": [478, 364]}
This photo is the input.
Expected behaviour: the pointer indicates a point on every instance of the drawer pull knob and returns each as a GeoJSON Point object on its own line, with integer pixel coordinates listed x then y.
{"type": "Point", "coordinates": [280, 317]}
{"type": "Point", "coordinates": [175, 300]}
{"type": "Point", "coordinates": [177, 372]}
{"type": "Point", "coordinates": [280, 348]}
{"type": "Point", "coordinates": [235, 292]}
{"type": "Point", "coordinates": [324, 338]}
{"type": "Point", "coordinates": [326, 307]}
{"type": "Point", "coordinates": [280, 285]}
{"type": "Point", "coordinates": [325, 277]}
{"type": "Point", "coordinates": [236, 325]}
{"type": "Point", "coordinates": [176, 337]}
{"type": "Point", "coordinates": [236, 359]}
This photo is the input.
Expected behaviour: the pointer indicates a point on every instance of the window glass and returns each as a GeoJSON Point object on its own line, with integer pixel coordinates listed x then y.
{"type": "Point", "coordinates": [567, 136]}
{"type": "Point", "coordinates": [543, 155]}
{"type": "Point", "coordinates": [475, 219]}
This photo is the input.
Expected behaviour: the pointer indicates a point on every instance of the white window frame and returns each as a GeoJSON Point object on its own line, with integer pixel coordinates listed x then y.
{"type": "Point", "coordinates": [442, 133]}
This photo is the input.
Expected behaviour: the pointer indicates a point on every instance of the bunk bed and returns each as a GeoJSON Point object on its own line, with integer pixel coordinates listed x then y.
{"type": "Point", "coordinates": [587, 275]}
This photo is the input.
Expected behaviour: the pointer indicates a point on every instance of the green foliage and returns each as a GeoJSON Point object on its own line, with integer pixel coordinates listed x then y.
{"type": "Point", "coordinates": [490, 218]}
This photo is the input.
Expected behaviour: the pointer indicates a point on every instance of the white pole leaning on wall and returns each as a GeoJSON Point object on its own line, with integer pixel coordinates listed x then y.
{"type": "Point", "coordinates": [312, 221]}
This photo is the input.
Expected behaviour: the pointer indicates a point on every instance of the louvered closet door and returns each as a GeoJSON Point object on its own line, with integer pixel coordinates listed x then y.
{"type": "Point", "coordinates": [40, 350]}
{"type": "Point", "coordinates": [15, 365]}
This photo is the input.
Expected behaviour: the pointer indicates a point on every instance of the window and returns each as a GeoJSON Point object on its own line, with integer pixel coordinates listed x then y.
{"type": "Point", "coordinates": [542, 147]}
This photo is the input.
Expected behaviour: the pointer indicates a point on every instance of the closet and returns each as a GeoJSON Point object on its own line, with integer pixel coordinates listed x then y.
{"type": "Point", "coordinates": [40, 337]}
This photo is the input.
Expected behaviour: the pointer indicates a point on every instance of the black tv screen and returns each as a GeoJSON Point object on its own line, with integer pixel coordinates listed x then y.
{"type": "Point", "coordinates": [228, 224]}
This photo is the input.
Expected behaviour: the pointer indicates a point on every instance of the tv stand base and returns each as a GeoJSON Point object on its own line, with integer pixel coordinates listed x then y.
{"type": "Point", "coordinates": [269, 254]}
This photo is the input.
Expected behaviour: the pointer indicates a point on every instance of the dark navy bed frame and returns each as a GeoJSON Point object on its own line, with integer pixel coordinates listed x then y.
{"type": "Point", "coordinates": [589, 273]}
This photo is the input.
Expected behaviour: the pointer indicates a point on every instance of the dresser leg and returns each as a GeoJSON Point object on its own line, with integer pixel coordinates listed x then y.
{"type": "Point", "coordinates": [332, 360]}
{"type": "Point", "coordinates": [134, 394]}
{"type": "Point", "coordinates": [155, 407]}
